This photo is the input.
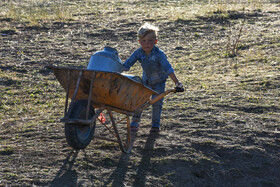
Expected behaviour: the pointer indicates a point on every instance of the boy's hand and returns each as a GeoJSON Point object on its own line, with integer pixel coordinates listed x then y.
{"type": "Point", "coordinates": [179, 85]}
{"type": "Point", "coordinates": [124, 68]}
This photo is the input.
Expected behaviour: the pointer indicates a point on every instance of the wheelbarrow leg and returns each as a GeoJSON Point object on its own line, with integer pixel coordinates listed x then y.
{"type": "Point", "coordinates": [76, 91]}
{"type": "Point", "coordinates": [90, 94]}
{"type": "Point", "coordinates": [127, 146]}
{"type": "Point", "coordinates": [67, 92]}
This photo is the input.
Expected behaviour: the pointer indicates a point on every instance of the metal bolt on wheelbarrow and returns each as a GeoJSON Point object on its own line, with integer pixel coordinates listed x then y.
{"type": "Point", "coordinates": [94, 93]}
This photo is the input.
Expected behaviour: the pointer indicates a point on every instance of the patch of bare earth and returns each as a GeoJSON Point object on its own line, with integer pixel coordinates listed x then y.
{"type": "Point", "coordinates": [222, 131]}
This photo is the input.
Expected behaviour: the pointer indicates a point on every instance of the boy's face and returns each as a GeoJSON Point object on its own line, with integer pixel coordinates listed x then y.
{"type": "Point", "coordinates": [148, 42]}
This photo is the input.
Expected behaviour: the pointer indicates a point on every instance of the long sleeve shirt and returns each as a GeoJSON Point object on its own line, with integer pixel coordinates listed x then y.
{"type": "Point", "coordinates": [156, 67]}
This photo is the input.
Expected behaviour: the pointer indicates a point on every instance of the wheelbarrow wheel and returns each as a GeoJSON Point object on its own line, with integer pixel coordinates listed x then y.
{"type": "Point", "coordinates": [78, 135]}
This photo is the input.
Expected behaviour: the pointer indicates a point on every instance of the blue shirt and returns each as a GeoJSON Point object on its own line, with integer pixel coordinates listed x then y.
{"type": "Point", "coordinates": [156, 67]}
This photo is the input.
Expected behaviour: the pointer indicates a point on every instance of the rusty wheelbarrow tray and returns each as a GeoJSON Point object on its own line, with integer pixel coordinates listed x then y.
{"type": "Point", "coordinates": [104, 91]}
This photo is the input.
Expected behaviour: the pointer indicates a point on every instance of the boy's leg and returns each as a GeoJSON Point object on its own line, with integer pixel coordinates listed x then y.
{"type": "Point", "coordinates": [134, 125]}
{"type": "Point", "coordinates": [156, 113]}
{"type": "Point", "coordinates": [135, 120]}
{"type": "Point", "coordinates": [157, 107]}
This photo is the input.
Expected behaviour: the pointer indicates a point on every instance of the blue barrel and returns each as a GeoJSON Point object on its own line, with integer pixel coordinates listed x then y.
{"type": "Point", "coordinates": [106, 60]}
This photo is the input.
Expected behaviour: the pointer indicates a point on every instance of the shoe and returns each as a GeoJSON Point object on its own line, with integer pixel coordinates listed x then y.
{"type": "Point", "coordinates": [155, 129]}
{"type": "Point", "coordinates": [134, 126]}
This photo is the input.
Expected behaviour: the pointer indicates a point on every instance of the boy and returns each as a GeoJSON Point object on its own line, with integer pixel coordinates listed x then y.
{"type": "Point", "coordinates": [156, 70]}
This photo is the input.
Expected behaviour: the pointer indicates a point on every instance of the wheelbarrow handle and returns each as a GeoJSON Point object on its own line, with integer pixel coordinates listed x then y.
{"type": "Point", "coordinates": [157, 98]}
{"type": "Point", "coordinates": [160, 96]}
{"type": "Point", "coordinates": [179, 89]}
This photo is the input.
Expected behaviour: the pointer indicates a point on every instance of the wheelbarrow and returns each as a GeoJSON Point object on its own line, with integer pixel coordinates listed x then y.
{"type": "Point", "coordinates": [106, 98]}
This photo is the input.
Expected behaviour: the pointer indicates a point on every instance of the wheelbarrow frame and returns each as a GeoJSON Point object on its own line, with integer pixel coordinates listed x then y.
{"type": "Point", "coordinates": [126, 146]}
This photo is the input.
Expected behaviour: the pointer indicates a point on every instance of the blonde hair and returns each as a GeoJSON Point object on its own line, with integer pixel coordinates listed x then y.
{"type": "Point", "coordinates": [147, 29]}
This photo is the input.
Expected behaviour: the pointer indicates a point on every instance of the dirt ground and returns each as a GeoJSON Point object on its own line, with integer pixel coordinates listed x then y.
{"type": "Point", "coordinates": [222, 131]}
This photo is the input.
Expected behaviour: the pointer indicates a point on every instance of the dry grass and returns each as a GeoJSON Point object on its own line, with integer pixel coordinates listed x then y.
{"type": "Point", "coordinates": [223, 130]}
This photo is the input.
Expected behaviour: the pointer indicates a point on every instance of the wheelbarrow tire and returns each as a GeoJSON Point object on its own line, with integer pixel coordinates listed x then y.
{"type": "Point", "coordinates": [78, 136]}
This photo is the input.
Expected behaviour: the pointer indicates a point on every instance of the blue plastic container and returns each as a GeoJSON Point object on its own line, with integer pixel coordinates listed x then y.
{"type": "Point", "coordinates": [106, 60]}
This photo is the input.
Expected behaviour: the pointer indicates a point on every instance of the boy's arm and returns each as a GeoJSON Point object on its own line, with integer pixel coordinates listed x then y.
{"type": "Point", "coordinates": [169, 70]}
{"type": "Point", "coordinates": [175, 80]}
{"type": "Point", "coordinates": [130, 61]}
